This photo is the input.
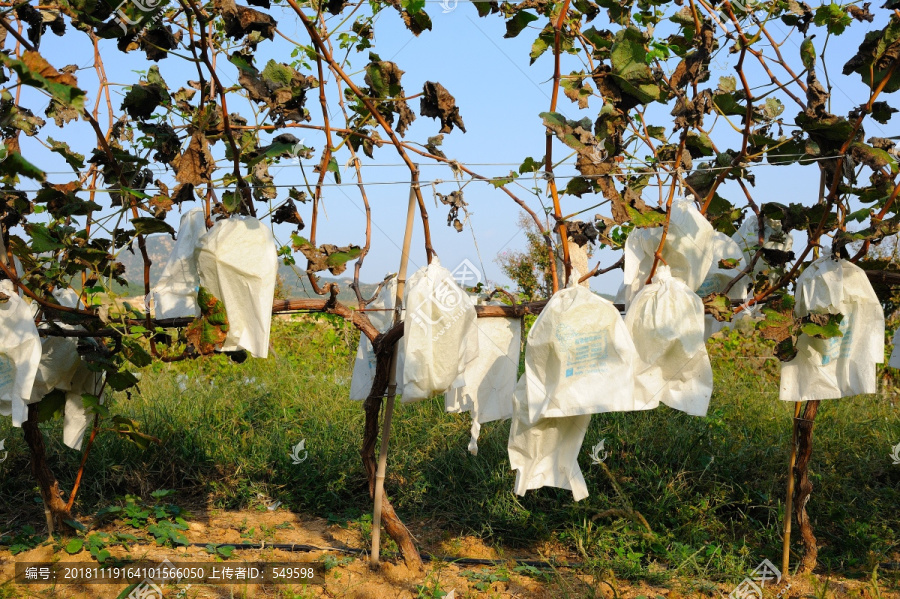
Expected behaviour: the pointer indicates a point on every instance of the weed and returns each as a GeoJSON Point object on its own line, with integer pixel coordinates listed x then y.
{"type": "Point", "coordinates": [220, 551]}
{"type": "Point", "coordinates": [26, 538]}
{"type": "Point", "coordinates": [484, 578]}
{"type": "Point", "coordinates": [330, 562]}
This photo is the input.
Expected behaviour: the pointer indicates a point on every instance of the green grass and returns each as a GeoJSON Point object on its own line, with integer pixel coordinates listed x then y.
{"type": "Point", "coordinates": [711, 489]}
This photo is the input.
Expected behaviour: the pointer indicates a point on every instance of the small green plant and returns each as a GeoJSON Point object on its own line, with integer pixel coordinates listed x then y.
{"type": "Point", "coordinates": [97, 543]}
{"type": "Point", "coordinates": [431, 587]}
{"type": "Point", "coordinates": [164, 521]}
{"type": "Point", "coordinates": [169, 533]}
{"type": "Point", "coordinates": [484, 578]}
{"type": "Point", "coordinates": [330, 562]}
{"type": "Point", "coordinates": [533, 572]}
{"type": "Point", "coordinates": [21, 541]}
{"type": "Point", "coordinates": [220, 551]}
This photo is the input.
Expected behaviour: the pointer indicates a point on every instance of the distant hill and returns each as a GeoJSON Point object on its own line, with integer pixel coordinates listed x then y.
{"type": "Point", "coordinates": [160, 247]}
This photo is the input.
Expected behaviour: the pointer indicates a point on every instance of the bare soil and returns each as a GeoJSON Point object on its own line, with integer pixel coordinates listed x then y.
{"type": "Point", "coordinates": [353, 578]}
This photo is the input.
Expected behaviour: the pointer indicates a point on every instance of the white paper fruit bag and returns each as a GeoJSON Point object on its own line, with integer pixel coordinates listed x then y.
{"type": "Point", "coordinates": [439, 336]}
{"type": "Point", "coordinates": [724, 247]}
{"type": "Point", "coordinates": [238, 264]}
{"type": "Point", "coordinates": [381, 314]}
{"type": "Point", "coordinates": [491, 376]}
{"type": "Point", "coordinates": [837, 366]}
{"type": "Point", "coordinates": [545, 454]}
{"type": "Point", "coordinates": [61, 368]}
{"type": "Point", "coordinates": [20, 354]}
{"type": "Point", "coordinates": [76, 416]}
{"type": "Point", "coordinates": [774, 238]}
{"type": "Point", "coordinates": [666, 322]}
{"type": "Point", "coordinates": [175, 294]}
{"type": "Point", "coordinates": [688, 250]}
{"type": "Point", "coordinates": [579, 358]}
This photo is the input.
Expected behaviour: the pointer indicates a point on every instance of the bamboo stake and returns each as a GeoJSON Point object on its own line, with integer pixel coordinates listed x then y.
{"type": "Point", "coordinates": [392, 381]}
{"type": "Point", "coordinates": [789, 501]}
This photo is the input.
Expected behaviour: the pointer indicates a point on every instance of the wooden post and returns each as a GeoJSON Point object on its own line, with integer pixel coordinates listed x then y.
{"type": "Point", "coordinates": [392, 381]}
{"type": "Point", "coordinates": [789, 500]}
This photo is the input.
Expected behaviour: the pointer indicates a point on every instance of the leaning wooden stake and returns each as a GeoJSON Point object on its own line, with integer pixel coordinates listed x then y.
{"type": "Point", "coordinates": [789, 500]}
{"type": "Point", "coordinates": [392, 382]}
{"type": "Point", "coordinates": [804, 487]}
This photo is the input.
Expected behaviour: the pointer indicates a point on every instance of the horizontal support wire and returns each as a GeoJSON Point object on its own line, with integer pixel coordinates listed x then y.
{"type": "Point", "coordinates": [538, 174]}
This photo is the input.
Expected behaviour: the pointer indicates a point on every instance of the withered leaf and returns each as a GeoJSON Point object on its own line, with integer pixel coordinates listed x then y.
{"type": "Point", "coordinates": [287, 213]}
{"type": "Point", "coordinates": [60, 113]}
{"type": "Point", "coordinates": [438, 103]}
{"type": "Point", "coordinates": [456, 202]}
{"type": "Point", "coordinates": [37, 64]}
{"type": "Point", "coordinates": [581, 232]}
{"type": "Point", "coordinates": [160, 204]}
{"type": "Point", "coordinates": [196, 164]}
{"type": "Point", "coordinates": [183, 192]}
{"type": "Point", "coordinates": [142, 99]}
{"type": "Point", "coordinates": [718, 305]}
{"type": "Point", "coordinates": [158, 40]}
{"type": "Point", "coordinates": [208, 332]}
{"type": "Point", "coordinates": [327, 256]}
{"type": "Point", "coordinates": [861, 14]}
{"type": "Point", "coordinates": [575, 134]}
{"type": "Point", "coordinates": [240, 21]}
{"type": "Point", "coordinates": [165, 140]}
{"type": "Point", "coordinates": [433, 143]}
{"type": "Point", "coordinates": [262, 182]}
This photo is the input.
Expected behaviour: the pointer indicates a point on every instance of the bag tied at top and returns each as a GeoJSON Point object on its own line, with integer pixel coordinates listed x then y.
{"type": "Point", "coordinates": [238, 264]}
{"type": "Point", "coordinates": [688, 250]}
{"type": "Point", "coordinates": [666, 322]}
{"type": "Point", "coordinates": [175, 294]}
{"type": "Point", "coordinates": [439, 336]}
{"type": "Point", "coordinates": [838, 366]}
{"type": "Point", "coordinates": [579, 358]}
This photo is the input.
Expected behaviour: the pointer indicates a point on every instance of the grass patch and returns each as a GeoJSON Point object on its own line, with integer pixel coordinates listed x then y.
{"type": "Point", "coordinates": [711, 489]}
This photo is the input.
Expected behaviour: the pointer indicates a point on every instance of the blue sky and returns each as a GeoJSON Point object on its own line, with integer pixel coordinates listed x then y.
{"type": "Point", "coordinates": [499, 96]}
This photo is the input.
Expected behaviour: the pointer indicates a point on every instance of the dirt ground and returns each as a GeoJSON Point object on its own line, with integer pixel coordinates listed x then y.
{"type": "Point", "coordinates": [350, 576]}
